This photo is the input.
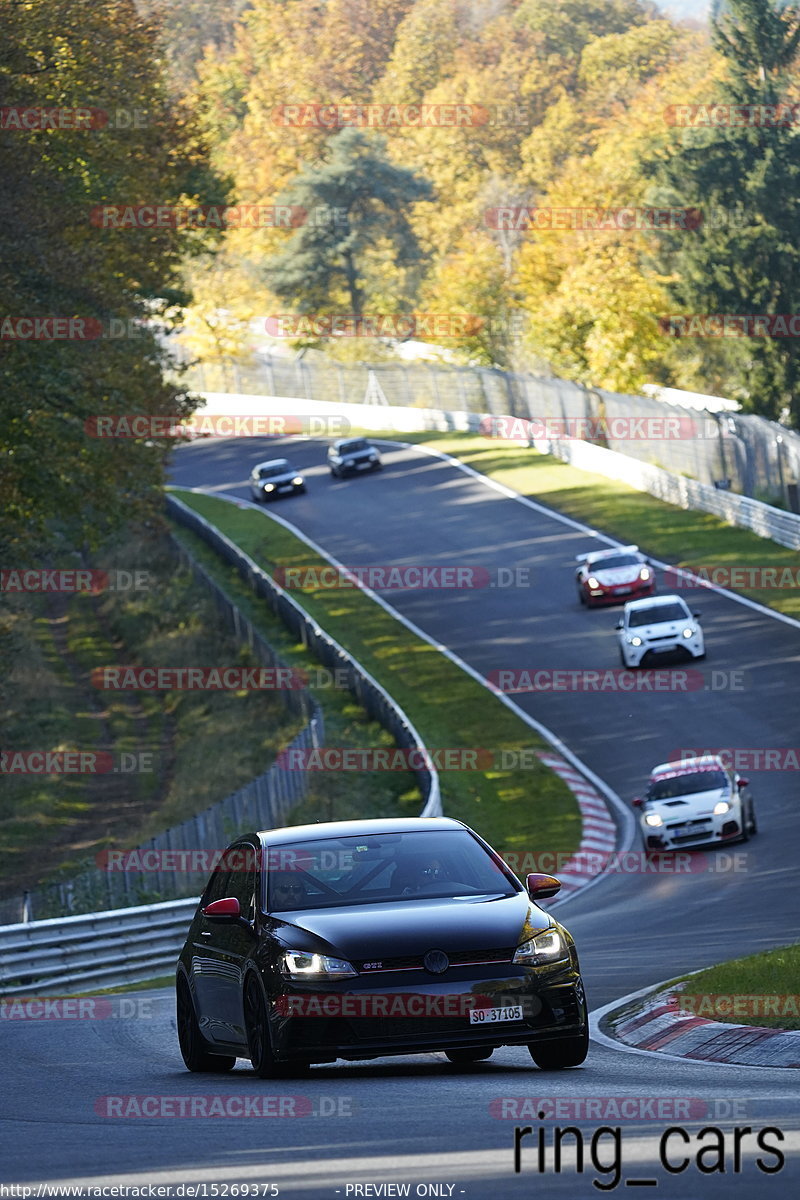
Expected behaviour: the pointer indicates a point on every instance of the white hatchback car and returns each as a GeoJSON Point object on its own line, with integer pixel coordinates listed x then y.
{"type": "Point", "coordinates": [658, 625]}
{"type": "Point", "coordinates": [693, 802]}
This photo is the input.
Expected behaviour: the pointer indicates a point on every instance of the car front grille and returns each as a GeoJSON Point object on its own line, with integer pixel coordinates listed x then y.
{"type": "Point", "coordinates": [458, 958]}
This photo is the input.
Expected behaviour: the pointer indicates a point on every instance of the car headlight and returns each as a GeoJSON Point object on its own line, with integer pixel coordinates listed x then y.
{"type": "Point", "coordinates": [269, 487]}
{"type": "Point", "coordinates": [688, 633]}
{"type": "Point", "coordinates": [545, 948]}
{"type": "Point", "coordinates": [299, 965]}
{"type": "Point", "coordinates": [653, 819]}
{"type": "Point", "coordinates": [722, 806]}
{"type": "Point", "coordinates": [635, 640]}
{"type": "Point", "coordinates": [298, 479]}
{"type": "Point", "coordinates": [592, 582]}
{"type": "Point", "coordinates": [644, 573]}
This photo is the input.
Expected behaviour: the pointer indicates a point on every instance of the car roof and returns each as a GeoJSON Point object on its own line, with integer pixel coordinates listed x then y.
{"type": "Point", "coordinates": [273, 462]}
{"type": "Point", "coordinates": [365, 828]}
{"type": "Point", "coordinates": [596, 556]}
{"type": "Point", "coordinates": [653, 602]}
{"type": "Point", "coordinates": [687, 766]}
{"type": "Point", "coordinates": [346, 441]}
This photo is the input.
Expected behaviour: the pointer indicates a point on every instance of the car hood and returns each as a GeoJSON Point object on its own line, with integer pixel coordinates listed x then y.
{"type": "Point", "coordinates": [284, 477]}
{"type": "Point", "coordinates": [616, 575]}
{"type": "Point", "coordinates": [698, 804]}
{"type": "Point", "coordinates": [412, 927]}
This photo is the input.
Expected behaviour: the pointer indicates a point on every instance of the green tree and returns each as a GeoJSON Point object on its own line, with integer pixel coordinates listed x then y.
{"type": "Point", "coordinates": [58, 481]}
{"type": "Point", "coordinates": [358, 247]}
{"type": "Point", "coordinates": [746, 258]}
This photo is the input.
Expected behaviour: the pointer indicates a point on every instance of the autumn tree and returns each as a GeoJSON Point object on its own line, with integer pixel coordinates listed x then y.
{"type": "Point", "coordinates": [57, 262]}
{"type": "Point", "coordinates": [748, 172]}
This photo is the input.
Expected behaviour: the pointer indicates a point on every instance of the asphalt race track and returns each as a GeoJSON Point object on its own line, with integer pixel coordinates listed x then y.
{"type": "Point", "coordinates": [351, 1130]}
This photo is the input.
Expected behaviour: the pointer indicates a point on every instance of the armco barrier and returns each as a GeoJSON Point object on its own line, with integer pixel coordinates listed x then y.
{"type": "Point", "coordinates": [106, 949]}
{"type": "Point", "coordinates": [775, 523]}
{"type": "Point", "coordinates": [370, 695]}
{"type": "Point", "coordinates": [99, 950]}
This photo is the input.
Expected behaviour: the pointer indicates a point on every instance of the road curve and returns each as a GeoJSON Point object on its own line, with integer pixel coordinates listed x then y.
{"type": "Point", "coordinates": [420, 1121]}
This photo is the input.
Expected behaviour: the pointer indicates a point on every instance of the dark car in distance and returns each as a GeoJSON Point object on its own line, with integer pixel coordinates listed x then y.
{"type": "Point", "coordinates": [347, 456]}
{"type": "Point", "coordinates": [275, 478]}
{"type": "Point", "coordinates": [360, 939]}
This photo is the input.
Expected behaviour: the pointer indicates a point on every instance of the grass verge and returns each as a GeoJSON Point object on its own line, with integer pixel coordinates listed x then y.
{"type": "Point", "coordinates": [695, 540]}
{"type": "Point", "coordinates": [518, 810]}
{"type": "Point", "coordinates": [173, 753]}
{"type": "Point", "coordinates": [730, 991]}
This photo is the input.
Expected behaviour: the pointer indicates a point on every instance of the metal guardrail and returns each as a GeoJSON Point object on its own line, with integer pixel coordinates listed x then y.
{"type": "Point", "coordinates": [72, 954]}
{"type": "Point", "coordinates": [369, 693]}
{"type": "Point", "coordinates": [768, 522]}
{"type": "Point", "coordinates": [129, 945]}
{"type": "Point", "coordinates": [760, 457]}
{"type": "Point", "coordinates": [262, 803]}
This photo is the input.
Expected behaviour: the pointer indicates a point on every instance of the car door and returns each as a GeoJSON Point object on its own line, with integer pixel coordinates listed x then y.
{"type": "Point", "coordinates": [218, 959]}
{"type": "Point", "coordinates": [240, 939]}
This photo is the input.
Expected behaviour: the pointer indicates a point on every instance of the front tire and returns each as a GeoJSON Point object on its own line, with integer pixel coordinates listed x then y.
{"type": "Point", "coordinates": [463, 1058]}
{"type": "Point", "coordinates": [258, 1044]}
{"type": "Point", "coordinates": [194, 1048]}
{"type": "Point", "coordinates": [565, 1052]}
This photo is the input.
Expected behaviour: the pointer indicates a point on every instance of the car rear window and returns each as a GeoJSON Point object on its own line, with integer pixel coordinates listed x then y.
{"type": "Point", "coordinates": [333, 872]}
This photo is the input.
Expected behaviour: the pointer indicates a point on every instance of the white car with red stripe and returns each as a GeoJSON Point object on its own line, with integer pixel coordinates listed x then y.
{"type": "Point", "coordinates": [694, 802]}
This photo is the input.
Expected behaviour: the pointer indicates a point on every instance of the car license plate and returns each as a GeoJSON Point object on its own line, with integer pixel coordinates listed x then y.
{"type": "Point", "coordinates": [285, 487]}
{"type": "Point", "coordinates": [490, 1016]}
{"type": "Point", "coordinates": [622, 591]}
{"type": "Point", "coordinates": [363, 466]}
{"type": "Point", "coordinates": [685, 830]}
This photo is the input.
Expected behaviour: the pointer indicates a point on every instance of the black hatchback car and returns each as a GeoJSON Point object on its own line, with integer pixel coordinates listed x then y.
{"type": "Point", "coordinates": [359, 939]}
{"type": "Point", "coordinates": [347, 456]}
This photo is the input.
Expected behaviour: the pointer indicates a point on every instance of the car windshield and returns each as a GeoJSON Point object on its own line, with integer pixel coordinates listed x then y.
{"type": "Point", "coordinates": [281, 468]}
{"type": "Point", "coordinates": [381, 868]}
{"type": "Point", "coordinates": [614, 561]}
{"type": "Point", "coordinates": [353, 447]}
{"type": "Point", "coordinates": [687, 784]}
{"type": "Point", "coordinates": [654, 613]}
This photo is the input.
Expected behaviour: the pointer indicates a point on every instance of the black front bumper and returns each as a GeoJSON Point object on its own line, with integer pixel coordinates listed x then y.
{"type": "Point", "coordinates": [552, 1001]}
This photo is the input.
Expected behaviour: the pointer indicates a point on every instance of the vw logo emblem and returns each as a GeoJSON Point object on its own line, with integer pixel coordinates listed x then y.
{"type": "Point", "coordinates": [436, 961]}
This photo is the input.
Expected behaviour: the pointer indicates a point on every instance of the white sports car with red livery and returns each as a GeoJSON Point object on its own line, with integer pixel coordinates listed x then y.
{"type": "Point", "coordinates": [693, 802]}
{"type": "Point", "coordinates": [614, 576]}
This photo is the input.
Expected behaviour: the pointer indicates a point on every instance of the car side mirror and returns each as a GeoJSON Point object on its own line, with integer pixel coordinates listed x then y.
{"type": "Point", "coordinates": [696, 615]}
{"type": "Point", "coordinates": [223, 912]}
{"type": "Point", "coordinates": [637, 801]}
{"type": "Point", "coordinates": [620, 625]}
{"type": "Point", "coordinates": [742, 783]}
{"type": "Point", "coordinates": [539, 887]}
